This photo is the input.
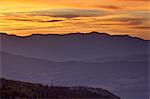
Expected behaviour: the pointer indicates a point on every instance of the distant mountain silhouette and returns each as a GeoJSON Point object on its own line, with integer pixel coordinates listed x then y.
{"type": "Point", "coordinates": [11, 89]}
{"type": "Point", "coordinates": [130, 58]}
{"type": "Point", "coordinates": [74, 46]}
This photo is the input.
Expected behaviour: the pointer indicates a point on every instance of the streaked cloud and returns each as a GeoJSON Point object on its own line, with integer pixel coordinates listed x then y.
{"type": "Point", "coordinates": [146, 27]}
{"type": "Point", "coordinates": [26, 17]}
{"type": "Point", "coordinates": [64, 13]}
{"type": "Point", "coordinates": [35, 20]}
{"type": "Point", "coordinates": [110, 7]}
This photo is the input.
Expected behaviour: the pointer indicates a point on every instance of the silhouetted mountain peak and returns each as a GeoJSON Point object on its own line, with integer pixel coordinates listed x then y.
{"type": "Point", "coordinates": [98, 33]}
{"type": "Point", "coordinates": [77, 34]}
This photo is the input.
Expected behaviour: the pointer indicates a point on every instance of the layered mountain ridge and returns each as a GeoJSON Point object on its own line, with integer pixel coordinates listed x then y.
{"type": "Point", "coordinates": [119, 63]}
{"type": "Point", "coordinates": [70, 46]}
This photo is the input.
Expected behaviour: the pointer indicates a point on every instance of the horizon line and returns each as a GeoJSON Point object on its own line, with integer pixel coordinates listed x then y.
{"type": "Point", "coordinates": [82, 33]}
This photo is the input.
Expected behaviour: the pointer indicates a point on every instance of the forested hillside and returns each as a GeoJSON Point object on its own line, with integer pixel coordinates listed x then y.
{"type": "Point", "coordinates": [11, 89]}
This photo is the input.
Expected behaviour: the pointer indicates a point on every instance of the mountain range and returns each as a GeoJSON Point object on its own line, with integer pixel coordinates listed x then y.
{"type": "Point", "coordinates": [74, 46]}
{"type": "Point", "coordinates": [119, 63]}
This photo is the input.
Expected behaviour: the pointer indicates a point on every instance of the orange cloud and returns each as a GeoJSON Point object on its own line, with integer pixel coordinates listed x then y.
{"type": "Point", "coordinates": [110, 7]}
{"type": "Point", "coordinates": [26, 17]}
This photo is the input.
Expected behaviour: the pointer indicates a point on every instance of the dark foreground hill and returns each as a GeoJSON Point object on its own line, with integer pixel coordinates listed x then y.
{"type": "Point", "coordinates": [11, 89]}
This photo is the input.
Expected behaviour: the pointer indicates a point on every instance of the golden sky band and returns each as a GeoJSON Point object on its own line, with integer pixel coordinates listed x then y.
{"type": "Point", "coordinates": [26, 17]}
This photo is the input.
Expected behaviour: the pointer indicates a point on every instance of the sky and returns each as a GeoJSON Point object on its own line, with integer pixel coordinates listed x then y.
{"type": "Point", "coordinates": [116, 17]}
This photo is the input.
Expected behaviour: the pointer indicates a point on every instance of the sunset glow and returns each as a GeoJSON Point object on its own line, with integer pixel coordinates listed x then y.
{"type": "Point", "coordinates": [26, 17]}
